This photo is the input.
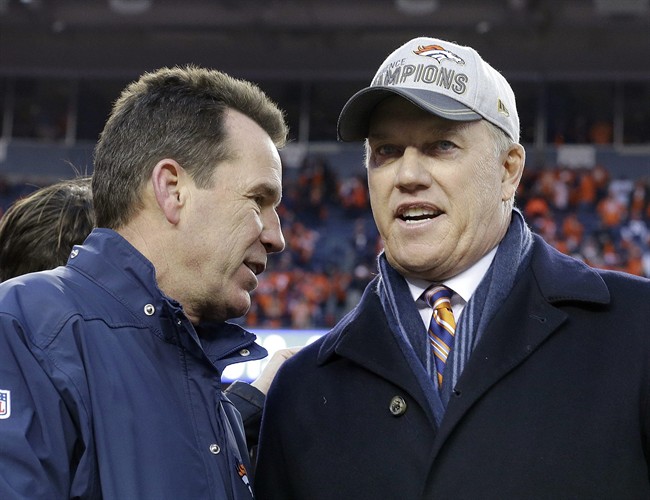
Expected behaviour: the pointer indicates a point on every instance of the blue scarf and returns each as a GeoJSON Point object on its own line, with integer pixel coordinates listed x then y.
{"type": "Point", "coordinates": [405, 321]}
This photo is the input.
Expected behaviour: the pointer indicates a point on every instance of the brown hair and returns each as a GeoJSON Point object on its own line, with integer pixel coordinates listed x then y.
{"type": "Point", "coordinates": [175, 113]}
{"type": "Point", "coordinates": [37, 232]}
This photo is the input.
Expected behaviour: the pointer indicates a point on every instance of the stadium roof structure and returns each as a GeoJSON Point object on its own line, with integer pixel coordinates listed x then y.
{"type": "Point", "coordinates": [319, 38]}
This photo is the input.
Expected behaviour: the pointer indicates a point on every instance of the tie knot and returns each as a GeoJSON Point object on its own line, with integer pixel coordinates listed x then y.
{"type": "Point", "coordinates": [438, 296]}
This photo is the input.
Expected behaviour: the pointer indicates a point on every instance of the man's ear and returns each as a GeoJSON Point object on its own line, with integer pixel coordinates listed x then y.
{"type": "Point", "coordinates": [513, 168]}
{"type": "Point", "coordinates": [166, 183]}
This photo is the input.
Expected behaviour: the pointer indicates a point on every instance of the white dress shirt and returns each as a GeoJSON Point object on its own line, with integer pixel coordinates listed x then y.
{"type": "Point", "coordinates": [463, 285]}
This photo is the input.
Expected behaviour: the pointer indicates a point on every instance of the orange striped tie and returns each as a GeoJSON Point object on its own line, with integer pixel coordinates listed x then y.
{"type": "Point", "coordinates": [442, 327]}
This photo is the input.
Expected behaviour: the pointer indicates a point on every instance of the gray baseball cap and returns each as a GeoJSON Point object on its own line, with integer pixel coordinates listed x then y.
{"type": "Point", "coordinates": [449, 80]}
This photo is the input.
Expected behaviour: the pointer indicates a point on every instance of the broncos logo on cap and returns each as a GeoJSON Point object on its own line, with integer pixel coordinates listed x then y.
{"type": "Point", "coordinates": [438, 53]}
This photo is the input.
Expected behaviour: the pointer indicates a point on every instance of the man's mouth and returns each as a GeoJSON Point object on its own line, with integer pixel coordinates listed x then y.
{"type": "Point", "coordinates": [257, 268]}
{"type": "Point", "coordinates": [417, 214]}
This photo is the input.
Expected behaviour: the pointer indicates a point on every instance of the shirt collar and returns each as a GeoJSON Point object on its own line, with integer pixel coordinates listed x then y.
{"type": "Point", "coordinates": [464, 284]}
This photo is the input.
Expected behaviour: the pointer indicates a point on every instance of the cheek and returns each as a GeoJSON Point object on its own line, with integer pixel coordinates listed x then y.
{"type": "Point", "coordinates": [379, 190]}
{"type": "Point", "coordinates": [240, 223]}
{"type": "Point", "coordinates": [481, 208]}
{"type": "Point", "coordinates": [482, 189]}
{"type": "Point", "coordinates": [380, 212]}
{"type": "Point", "coordinates": [247, 230]}
{"type": "Point", "coordinates": [219, 236]}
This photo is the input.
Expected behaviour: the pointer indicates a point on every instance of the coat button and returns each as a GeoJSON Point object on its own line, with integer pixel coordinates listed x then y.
{"type": "Point", "coordinates": [244, 352]}
{"type": "Point", "coordinates": [397, 406]}
{"type": "Point", "coordinates": [215, 449]}
{"type": "Point", "coordinates": [149, 309]}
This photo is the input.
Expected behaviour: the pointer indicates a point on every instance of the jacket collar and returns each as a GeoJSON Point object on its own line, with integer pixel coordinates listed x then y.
{"type": "Point", "coordinates": [562, 278]}
{"type": "Point", "coordinates": [120, 269]}
{"type": "Point", "coordinates": [114, 264]}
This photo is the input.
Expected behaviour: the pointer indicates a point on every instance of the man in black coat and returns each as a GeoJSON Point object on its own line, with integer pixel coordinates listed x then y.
{"type": "Point", "coordinates": [539, 385]}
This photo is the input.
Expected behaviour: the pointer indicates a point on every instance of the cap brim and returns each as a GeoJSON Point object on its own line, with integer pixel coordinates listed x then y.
{"type": "Point", "coordinates": [355, 116]}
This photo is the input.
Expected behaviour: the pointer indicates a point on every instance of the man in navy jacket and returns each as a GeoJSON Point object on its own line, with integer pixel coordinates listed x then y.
{"type": "Point", "coordinates": [110, 366]}
{"type": "Point", "coordinates": [545, 389]}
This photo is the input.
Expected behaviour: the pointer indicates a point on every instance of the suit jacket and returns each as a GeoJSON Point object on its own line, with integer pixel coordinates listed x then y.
{"type": "Point", "coordinates": [552, 404]}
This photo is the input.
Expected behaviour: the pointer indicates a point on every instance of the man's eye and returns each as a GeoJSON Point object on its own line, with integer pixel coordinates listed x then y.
{"type": "Point", "coordinates": [258, 200]}
{"type": "Point", "coordinates": [262, 201]}
{"type": "Point", "coordinates": [444, 145]}
{"type": "Point", "coordinates": [386, 150]}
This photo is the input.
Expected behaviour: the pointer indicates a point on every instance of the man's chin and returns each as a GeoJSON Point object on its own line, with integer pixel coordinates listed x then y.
{"type": "Point", "coordinates": [226, 311]}
{"type": "Point", "coordinates": [408, 262]}
{"type": "Point", "coordinates": [241, 308]}
{"type": "Point", "coordinates": [417, 268]}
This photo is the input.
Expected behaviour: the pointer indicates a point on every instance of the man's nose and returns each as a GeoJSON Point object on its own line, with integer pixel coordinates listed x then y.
{"type": "Point", "coordinates": [412, 172]}
{"type": "Point", "coordinates": [272, 237]}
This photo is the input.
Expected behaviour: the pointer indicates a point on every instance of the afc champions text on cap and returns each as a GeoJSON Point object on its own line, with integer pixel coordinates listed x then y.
{"type": "Point", "coordinates": [443, 78]}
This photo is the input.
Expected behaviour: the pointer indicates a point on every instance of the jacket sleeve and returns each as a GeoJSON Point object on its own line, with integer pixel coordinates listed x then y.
{"type": "Point", "coordinates": [37, 433]}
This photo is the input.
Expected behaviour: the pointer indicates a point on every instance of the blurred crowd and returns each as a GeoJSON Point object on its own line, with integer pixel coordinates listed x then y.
{"type": "Point", "coordinates": [332, 243]}
{"type": "Point", "coordinates": [585, 213]}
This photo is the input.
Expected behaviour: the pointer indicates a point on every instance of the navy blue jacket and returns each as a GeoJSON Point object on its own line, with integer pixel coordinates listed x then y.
{"type": "Point", "coordinates": [108, 391]}
{"type": "Point", "coordinates": [553, 403]}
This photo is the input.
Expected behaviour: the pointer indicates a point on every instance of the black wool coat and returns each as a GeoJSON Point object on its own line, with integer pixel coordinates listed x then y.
{"type": "Point", "coordinates": [552, 404]}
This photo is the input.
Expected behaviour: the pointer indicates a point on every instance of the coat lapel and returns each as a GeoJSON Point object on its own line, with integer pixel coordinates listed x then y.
{"type": "Point", "coordinates": [500, 351]}
{"type": "Point", "coordinates": [527, 318]}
